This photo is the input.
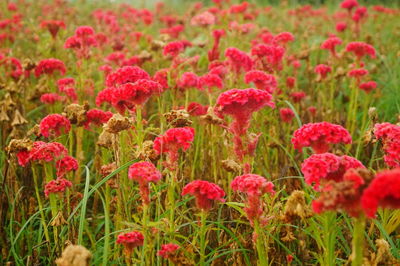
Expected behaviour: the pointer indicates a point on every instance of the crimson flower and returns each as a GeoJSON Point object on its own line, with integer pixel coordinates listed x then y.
{"type": "Point", "coordinates": [389, 134]}
{"type": "Point", "coordinates": [168, 250]}
{"type": "Point", "coordinates": [320, 136]}
{"type": "Point", "coordinates": [144, 173]}
{"type": "Point", "coordinates": [49, 67]}
{"type": "Point", "coordinates": [361, 49]}
{"type": "Point", "coordinates": [205, 193]}
{"type": "Point", "coordinates": [286, 114]}
{"type": "Point", "coordinates": [262, 80]}
{"type": "Point", "coordinates": [52, 125]}
{"type": "Point", "coordinates": [65, 165]}
{"type": "Point", "coordinates": [56, 186]}
{"type": "Point", "coordinates": [130, 241]}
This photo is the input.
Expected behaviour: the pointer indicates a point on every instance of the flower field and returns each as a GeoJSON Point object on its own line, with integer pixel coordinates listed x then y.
{"type": "Point", "coordinates": [217, 133]}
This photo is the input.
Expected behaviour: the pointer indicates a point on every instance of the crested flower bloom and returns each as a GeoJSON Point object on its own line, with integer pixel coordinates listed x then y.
{"type": "Point", "coordinates": [254, 186]}
{"type": "Point", "coordinates": [322, 70]}
{"type": "Point", "coordinates": [238, 60]}
{"type": "Point", "coordinates": [126, 74]}
{"type": "Point", "coordinates": [49, 67]}
{"type": "Point", "coordinates": [240, 104]}
{"type": "Point", "coordinates": [330, 45]}
{"type": "Point", "coordinates": [270, 57]}
{"type": "Point", "coordinates": [168, 250]}
{"type": "Point", "coordinates": [57, 186]}
{"type": "Point", "coordinates": [341, 26]}
{"type": "Point", "coordinates": [211, 81]}
{"type": "Point", "coordinates": [97, 117]}
{"type": "Point", "coordinates": [50, 98]}
{"type": "Point", "coordinates": [320, 136]}
{"type": "Point", "coordinates": [42, 152]}
{"type": "Point", "coordinates": [284, 37]}
{"type": "Point", "coordinates": [361, 49]}
{"type": "Point", "coordinates": [173, 140]}
{"type": "Point", "coordinates": [203, 19]}
{"type": "Point", "coordinates": [196, 109]}
{"type": "Point", "coordinates": [144, 173]}
{"type": "Point", "coordinates": [173, 48]}
{"type": "Point", "coordinates": [368, 86]}
{"type": "Point", "coordinates": [358, 74]}
{"type": "Point", "coordinates": [205, 192]}
{"type": "Point", "coordinates": [291, 82]}
{"type": "Point", "coordinates": [53, 26]}
{"type": "Point", "coordinates": [66, 165]}
{"type": "Point", "coordinates": [344, 195]}
{"type": "Point", "coordinates": [349, 4]}
{"type": "Point", "coordinates": [297, 96]}
{"type": "Point", "coordinates": [81, 41]}
{"type": "Point", "coordinates": [384, 191]}
{"type": "Point", "coordinates": [130, 241]}
{"type": "Point", "coordinates": [261, 80]}
{"type": "Point", "coordinates": [213, 54]}
{"type": "Point", "coordinates": [286, 114]}
{"type": "Point", "coordinates": [53, 125]}
{"type": "Point", "coordinates": [322, 167]}
{"type": "Point", "coordinates": [188, 80]}
{"type": "Point", "coordinates": [389, 134]}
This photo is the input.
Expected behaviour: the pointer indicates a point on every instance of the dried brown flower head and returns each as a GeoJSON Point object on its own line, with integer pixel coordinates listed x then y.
{"type": "Point", "coordinates": [178, 118]}
{"type": "Point", "coordinates": [231, 166]}
{"type": "Point", "coordinates": [147, 152]}
{"type": "Point", "coordinates": [74, 255]}
{"type": "Point", "coordinates": [18, 119]}
{"type": "Point", "coordinates": [296, 207]}
{"type": "Point", "coordinates": [17, 145]}
{"type": "Point", "coordinates": [106, 139]}
{"type": "Point", "coordinates": [117, 123]}
{"type": "Point", "coordinates": [76, 113]}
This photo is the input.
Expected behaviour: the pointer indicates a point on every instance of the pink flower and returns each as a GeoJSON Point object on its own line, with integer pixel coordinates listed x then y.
{"type": "Point", "coordinates": [322, 70]}
{"type": "Point", "coordinates": [50, 98]}
{"type": "Point", "coordinates": [172, 141]}
{"type": "Point", "coordinates": [360, 49]}
{"type": "Point", "coordinates": [389, 134]}
{"type": "Point", "coordinates": [168, 250]}
{"type": "Point", "coordinates": [368, 86]}
{"type": "Point", "coordinates": [50, 66]}
{"type": "Point", "coordinates": [205, 193]}
{"type": "Point", "coordinates": [97, 117]}
{"type": "Point", "coordinates": [262, 80]}
{"type": "Point", "coordinates": [173, 48]}
{"type": "Point", "coordinates": [254, 186]}
{"type": "Point", "coordinates": [126, 74]}
{"type": "Point", "coordinates": [286, 114]}
{"type": "Point", "coordinates": [144, 173]}
{"type": "Point", "coordinates": [52, 125]}
{"type": "Point", "coordinates": [349, 4]}
{"type": "Point", "coordinates": [44, 152]}
{"type": "Point", "coordinates": [297, 96]}
{"type": "Point", "coordinates": [53, 26]}
{"type": "Point", "coordinates": [196, 109]}
{"type": "Point", "coordinates": [204, 19]}
{"type": "Point", "coordinates": [211, 81]}
{"type": "Point", "coordinates": [270, 56]}
{"type": "Point", "coordinates": [341, 26]}
{"type": "Point", "coordinates": [238, 60]}
{"type": "Point", "coordinates": [319, 136]}
{"type": "Point", "coordinates": [56, 186]}
{"type": "Point", "coordinates": [188, 80]}
{"type": "Point", "coordinates": [65, 165]}
{"type": "Point", "coordinates": [284, 37]}
{"type": "Point", "coordinates": [290, 82]}
{"type": "Point", "coordinates": [384, 191]}
{"type": "Point", "coordinates": [130, 241]}
{"type": "Point", "coordinates": [327, 166]}
{"type": "Point", "coordinates": [330, 44]}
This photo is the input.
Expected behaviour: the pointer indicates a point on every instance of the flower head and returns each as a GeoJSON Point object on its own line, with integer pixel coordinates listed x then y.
{"type": "Point", "coordinates": [238, 60]}
{"type": "Point", "coordinates": [286, 114]}
{"type": "Point", "coordinates": [322, 70]}
{"type": "Point", "coordinates": [168, 250]}
{"type": "Point", "coordinates": [49, 67]}
{"type": "Point", "coordinates": [53, 124]}
{"type": "Point", "coordinates": [205, 193]}
{"type": "Point", "coordinates": [389, 134]}
{"type": "Point", "coordinates": [126, 74]}
{"type": "Point", "coordinates": [66, 165]}
{"type": "Point", "coordinates": [173, 48]}
{"type": "Point", "coordinates": [360, 49]}
{"type": "Point", "coordinates": [56, 186]}
{"type": "Point", "coordinates": [144, 173]}
{"type": "Point", "coordinates": [130, 241]}
{"type": "Point", "coordinates": [262, 80]}
{"type": "Point", "coordinates": [368, 86]}
{"type": "Point", "coordinates": [320, 136]}
{"type": "Point", "coordinates": [330, 44]}
{"type": "Point", "coordinates": [97, 117]}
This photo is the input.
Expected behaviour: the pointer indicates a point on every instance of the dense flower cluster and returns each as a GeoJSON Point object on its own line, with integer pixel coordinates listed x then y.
{"type": "Point", "coordinates": [360, 49]}
{"type": "Point", "coordinates": [319, 136]}
{"type": "Point", "coordinates": [319, 168]}
{"type": "Point", "coordinates": [53, 125]}
{"type": "Point", "coordinates": [205, 192]}
{"type": "Point", "coordinates": [66, 165]}
{"type": "Point", "coordinates": [144, 173]}
{"type": "Point", "coordinates": [238, 60]}
{"type": "Point", "coordinates": [49, 67]}
{"type": "Point", "coordinates": [330, 45]}
{"type": "Point", "coordinates": [53, 26]}
{"type": "Point", "coordinates": [168, 250]}
{"type": "Point", "coordinates": [389, 134]}
{"type": "Point", "coordinates": [56, 186]}
{"type": "Point", "coordinates": [42, 152]}
{"type": "Point", "coordinates": [81, 41]}
{"type": "Point", "coordinates": [254, 186]}
{"type": "Point", "coordinates": [286, 114]}
{"type": "Point", "coordinates": [130, 241]}
{"type": "Point", "coordinates": [262, 80]}
{"type": "Point", "coordinates": [384, 191]}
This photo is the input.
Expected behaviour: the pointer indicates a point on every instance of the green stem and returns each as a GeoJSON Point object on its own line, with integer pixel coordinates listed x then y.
{"type": "Point", "coordinates": [261, 250]}
{"type": "Point", "coordinates": [171, 203]}
{"type": "Point", "coordinates": [203, 232]}
{"type": "Point", "coordinates": [358, 241]}
{"type": "Point", "coordinates": [145, 220]}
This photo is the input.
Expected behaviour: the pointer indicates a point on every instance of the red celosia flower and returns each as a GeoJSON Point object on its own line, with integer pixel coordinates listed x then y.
{"type": "Point", "coordinates": [284, 37]}
{"type": "Point", "coordinates": [144, 173]}
{"type": "Point", "coordinates": [358, 73]}
{"type": "Point", "coordinates": [297, 96]}
{"type": "Point", "coordinates": [196, 109]}
{"type": "Point", "coordinates": [188, 80]}
{"type": "Point", "coordinates": [322, 70]}
{"type": "Point", "coordinates": [390, 136]}
{"type": "Point", "coordinates": [327, 166]}
{"type": "Point", "coordinates": [213, 54]}
{"type": "Point", "coordinates": [384, 191]}
{"type": "Point", "coordinates": [23, 157]}
{"type": "Point", "coordinates": [205, 193]}
{"type": "Point", "coordinates": [270, 56]}
{"type": "Point", "coordinates": [349, 4]}
{"type": "Point", "coordinates": [240, 104]}
{"type": "Point", "coordinates": [360, 13]}
{"type": "Point", "coordinates": [168, 250]}
{"type": "Point", "coordinates": [173, 48]}
{"type": "Point", "coordinates": [49, 66]}
{"type": "Point", "coordinates": [57, 186]}
{"type": "Point", "coordinates": [341, 26]}
{"type": "Point", "coordinates": [211, 81]}
{"type": "Point", "coordinates": [81, 42]}
{"type": "Point", "coordinates": [262, 80]}
{"type": "Point", "coordinates": [360, 49]}
{"type": "Point", "coordinates": [368, 86]}
{"type": "Point", "coordinates": [172, 141]}
{"type": "Point", "coordinates": [97, 117]}
{"type": "Point", "coordinates": [161, 76]}
{"type": "Point", "coordinates": [65, 165]}
{"type": "Point", "coordinates": [238, 60]}
{"type": "Point", "coordinates": [204, 19]}
{"type": "Point", "coordinates": [53, 26]}
{"type": "Point", "coordinates": [126, 74]}
{"type": "Point", "coordinates": [286, 114]}
{"type": "Point", "coordinates": [343, 195]}
{"type": "Point", "coordinates": [319, 136]}
{"type": "Point", "coordinates": [290, 82]}
{"type": "Point", "coordinates": [239, 8]}
{"type": "Point", "coordinates": [312, 110]}
{"type": "Point", "coordinates": [43, 152]}
{"type": "Point", "coordinates": [130, 241]}
{"type": "Point", "coordinates": [173, 31]}
{"type": "Point", "coordinates": [330, 44]}
{"type": "Point", "coordinates": [50, 98]}
{"type": "Point", "coordinates": [53, 124]}
{"type": "Point", "coordinates": [255, 187]}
